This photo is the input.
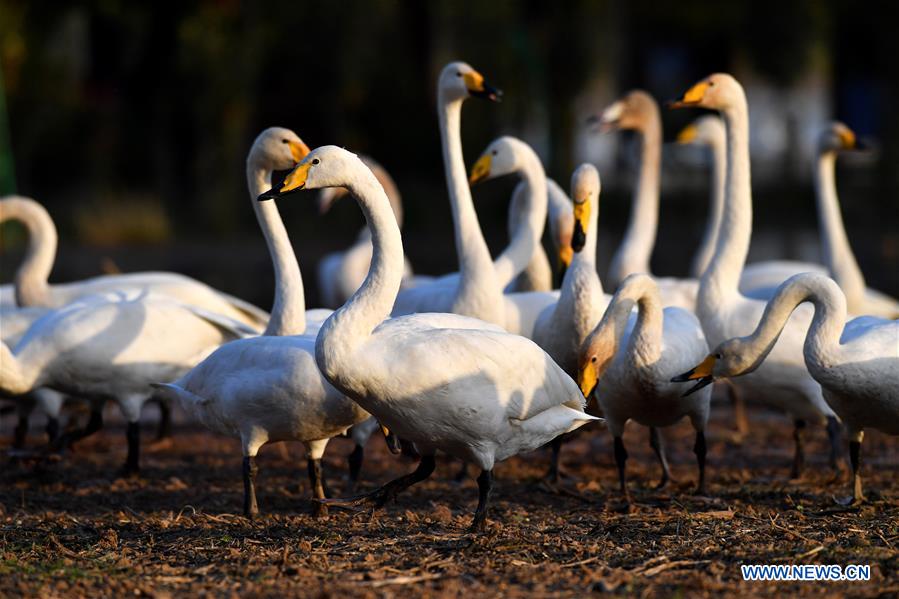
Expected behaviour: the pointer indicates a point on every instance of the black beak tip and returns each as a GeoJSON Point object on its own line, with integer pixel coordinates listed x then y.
{"type": "Point", "coordinates": [271, 194]}
{"type": "Point", "coordinates": [704, 381]}
{"type": "Point", "coordinates": [682, 378]}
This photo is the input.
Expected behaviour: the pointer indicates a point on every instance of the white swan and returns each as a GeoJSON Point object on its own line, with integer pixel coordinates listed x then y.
{"type": "Point", "coordinates": [478, 394]}
{"type": "Point", "coordinates": [857, 363]}
{"type": "Point", "coordinates": [639, 112]}
{"type": "Point", "coordinates": [839, 260]}
{"type": "Point", "coordinates": [32, 288]}
{"type": "Point", "coordinates": [268, 389]}
{"type": "Point", "coordinates": [341, 273]}
{"type": "Point", "coordinates": [782, 382]}
{"type": "Point", "coordinates": [629, 362]}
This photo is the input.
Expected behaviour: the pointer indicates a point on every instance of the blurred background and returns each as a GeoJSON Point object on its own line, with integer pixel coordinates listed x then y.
{"type": "Point", "coordinates": [131, 123]}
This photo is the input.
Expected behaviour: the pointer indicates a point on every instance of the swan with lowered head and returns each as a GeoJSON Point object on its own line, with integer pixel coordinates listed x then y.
{"type": "Point", "coordinates": [268, 389]}
{"type": "Point", "coordinates": [629, 361]}
{"type": "Point", "coordinates": [481, 395]}
{"type": "Point", "coordinates": [782, 381]}
{"type": "Point", "coordinates": [856, 363]}
{"type": "Point", "coordinates": [32, 289]}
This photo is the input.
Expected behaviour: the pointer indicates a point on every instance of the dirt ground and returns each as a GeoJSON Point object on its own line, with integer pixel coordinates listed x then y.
{"type": "Point", "coordinates": [72, 528]}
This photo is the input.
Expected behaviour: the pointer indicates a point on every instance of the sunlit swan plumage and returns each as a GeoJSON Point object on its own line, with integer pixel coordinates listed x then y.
{"type": "Point", "coordinates": [856, 362]}
{"type": "Point", "coordinates": [480, 395]}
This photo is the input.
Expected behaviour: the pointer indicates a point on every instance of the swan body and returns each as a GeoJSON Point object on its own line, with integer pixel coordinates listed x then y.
{"type": "Point", "coordinates": [639, 112]}
{"type": "Point", "coordinates": [783, 381]}
{"type": "Point", "coordinates": [32, 288]}
{"type": "Point", "coordinates": [856, 363]}
{"type": "Point", "coordinates": [475, 393]}
{"type": "Point", "coordinates": [341, 273]}
{"type": "Point", "coordinates": [629, 362]}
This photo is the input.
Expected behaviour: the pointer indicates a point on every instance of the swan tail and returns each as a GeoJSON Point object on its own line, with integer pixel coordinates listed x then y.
{"type": "Point", "coordinates": [229, 326]}
{"type": "Point", "coordinates": [257, 315]}
{"type": "Point", "coordinates": [552, 422]}
{"type": "Point", "coordinates": [12, 378]}
{"type": "Point", "coordinates": [175, 392]}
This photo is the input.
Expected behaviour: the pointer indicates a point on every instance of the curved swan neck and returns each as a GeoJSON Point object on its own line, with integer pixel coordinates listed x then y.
{"type": "Point", "coordinates": [823, 338]}
{"type": "Point", "coordinates": [534, 205]}
{"type": "Point", "coordinates": [722, 277]}
{"type": "Point", "coordinates": [288, 316]}
{"type": "Point", "coordinates": [835, 248]}
{"type": "Point", "coordinates": [645, 344]}
{"type": "Point", "coordinates": [352, 324]}
{"type": "Point", "coordinates": [718, 151]}
{"type": "Point", "coordinates": [31, 285]}
{"type": "Point", "coordinates": [636, 248]}
{"type": "Point", "coordinates": [475, 266]}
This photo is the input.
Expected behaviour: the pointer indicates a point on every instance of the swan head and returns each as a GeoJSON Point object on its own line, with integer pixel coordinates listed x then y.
{"type": "Point", "coordinates": [718, 91]}
{"type": "Point", "coordinates": [707, 130]}
{"type": "Point", "coordinates": [729, 359]}
{"type": "Point", "coordinates": [277, 149]}
{"type": "Point", "coordinates": [458, 81]}
{"type": "Point", "coordinates": [504, 156]}
{"type": "Point", "coordinates": [327, 166]}
{"type": "Point", "coordinates": [632, 112]}
{"type": "Point", "coordinates": [836, 137]}
{"type": "Point", "coordinates": [594, 358]}
{"type": "Point", "coordinates": [561, 224]}
{"type": "Point", "coordinates": [584, 193]}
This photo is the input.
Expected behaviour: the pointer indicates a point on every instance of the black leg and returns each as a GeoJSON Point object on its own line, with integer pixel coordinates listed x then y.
{"type": "Point", "coordinates": [355, 461]}
{"type": "Point", "coordinates": [834, 435]}
{"type": "Point", "coordinates": [389, 491]}
{"type": "Point", "coordinates": [485, 486]}
{"type": "Point", "coordinates": [316, 481]}
{"type": "Point", "coordinates": [658, 446]}
{"type": "Point", "coordinates": [52, 429]}
{"type": "Point", "coordinates": [554, 475]}
{"type": "Point", "coordinates": [165, 420]}
{"type": "Point", "coordinates": [94, 424]}
{"type": "Point", "coordinates": [462, 474]}
{"type": "Point", "coordinates": [250, 508]}
{"type": "Point", "coordinates": [699, 448]}
{"type": "Point", "coordinates": [20, 434]}
{"type": "Point", "coordinates": [132, 462]}
{"type": "Point", "coordinates": [620, 460]}
{"type": "Point", "coordinates": [799, 456]}
{"type": "Point", "coordinates": [855, 448]}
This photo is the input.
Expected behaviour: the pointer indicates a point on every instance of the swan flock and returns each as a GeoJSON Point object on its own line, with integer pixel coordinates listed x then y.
{"type": "Point", "coordinates": [502, 357]}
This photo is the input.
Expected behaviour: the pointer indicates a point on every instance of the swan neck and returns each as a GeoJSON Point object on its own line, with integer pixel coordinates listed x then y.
{"type": "Point", "coordinates": [835, 248]}
{"type": "Point", "coordinates": [636, 248]}
{"type": "Point", "coordinates": [529, 229]}
{"type": "Point", "coordinates": [645, 345]}
{"type": "Point", "coordinates": [718, 151]}
{"type": "Point", "coordinates": [288, 315]}
{"type": "Point", "coordinates": [31, 287]}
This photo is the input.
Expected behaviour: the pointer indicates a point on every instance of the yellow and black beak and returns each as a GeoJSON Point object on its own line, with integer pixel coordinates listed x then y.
{"type": "Point", "coordinates": [848, 140]}
{"type": "Point", "coordinates": [479, 88]}
{"type": "Point", "coordinates": [587, 378]}
{"type": "Point", "coordinates": [702, 374]}
{"type": "Point", "coordinates": [393, 442]}
{"type": "Point", "coordinates": [294, 181]}
{"type": "Point", "coordinates": [581, 221]}
{"type": "Point", "coordinates": [481, 169]}
{"type": "Point", "coordinates": [299, 150]}
{"type": "Point", "coordinates": [692, 97]}
{"type": "Point", "coordinates": [688, 134]}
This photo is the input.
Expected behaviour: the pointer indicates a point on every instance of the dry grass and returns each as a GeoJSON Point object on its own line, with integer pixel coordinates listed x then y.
{"type": "Point", "coordinates": [72, 528]}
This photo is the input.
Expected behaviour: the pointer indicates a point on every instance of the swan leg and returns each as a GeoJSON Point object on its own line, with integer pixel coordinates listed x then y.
{"type": "Point", "coordinates": [699, 448]}
{"type": "Point", "coordinates": [658, 446]}
{"type": "Point", "coordinates": [855, 449]}
{"type": "Point", "coordinates": [556, 472]}
{"type": "Point", "coordinates": [799, 455]}
{"type": "Point", "coordinates": [834, 430]}
{"type": "Point", "coordinates": [485, 487]}
{"type": "Point", "coordinates": [620, 460]}
{"type": "Point", "coordinates": [132, 462]}
{"type": "Point", "coordinates": [250, 469]}
{"type": "Point", "coordinates": [20, 434]}
{"type": "Point", "coordinates": [165, 420]}
{"type": "Point", "coordinates": [462, 474]}
{"type": "Point", "coordinates": [741, 422]}
{"type": "Point", "coordinates": [316, 480]}
{"type": "Point", "coordinates": [94, 424]}
{"type": "Point", "coordinates": [381, 496]}
{"type": "Point", "coordinates": [355, 465]}
{"type": "Point", "coordinates": [52, 429]}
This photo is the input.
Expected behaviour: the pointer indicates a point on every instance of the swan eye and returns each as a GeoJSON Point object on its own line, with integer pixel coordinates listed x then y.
{"type": "Point", "coordinates": [494, 152]}
{"type": "Point", "coordinates": [458, 73]}
{"type": "Point", "coordinates": [719, 356]}
{"type": "Point", "coordinates": [711, 84]}
{"type": "Point", "coordinates": [284, 141]}
{"type": "Point", "coordinates": [315, 161]}
{"type": "Point", "coordinates": [593, 359]}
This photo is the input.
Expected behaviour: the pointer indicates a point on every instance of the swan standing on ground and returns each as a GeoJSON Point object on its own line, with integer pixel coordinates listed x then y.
{"type": "Point", "coordinates": [480, 395]}
{"type": "Point", "coordinates": [562, 327]}
{"type": "Point", "coordinates": [638, 111]}
{"type": "Point", "coordinates": [268, 389]}
{"type": "Point", "coordinates": [782, 381]}
{"type": "Point", "coordinates": [341, 273]}
{"type": "Point", "coordinates": [857, 363]}
{"type": "Point", "coordinates": [629, 363]}
{"type": "Point", "coordinates": [32, 288]}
